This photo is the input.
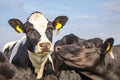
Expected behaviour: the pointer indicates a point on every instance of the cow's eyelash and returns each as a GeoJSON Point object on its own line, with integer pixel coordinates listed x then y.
{"type": "Point", "coordinates": [88, 47]}
{"type": "Point", "coordinates": [50, 28]}
{"type": "Point", "coordinates": [31, 29]}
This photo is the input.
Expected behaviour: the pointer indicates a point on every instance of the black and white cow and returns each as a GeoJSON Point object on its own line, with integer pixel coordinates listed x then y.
{"type": "Point", "coordinates": [35, 48]}
{"type": "Point", "coordinates": [94, 58]}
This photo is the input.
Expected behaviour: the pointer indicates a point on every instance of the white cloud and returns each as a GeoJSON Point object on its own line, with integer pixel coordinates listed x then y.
{"type": "Point", "coordinates": [84, 17]}
{"type": "Point", "coordinates": [113, 6]}
{"type": "Point", "coordinates": [110, 15]}
{"type": "Point", "coordinates": [6, 4]}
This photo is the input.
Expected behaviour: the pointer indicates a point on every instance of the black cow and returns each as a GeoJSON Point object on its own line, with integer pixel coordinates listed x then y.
{"type": "Point", "coordinates": [68, 39]}
{"type": "Point", "coordinates": [9, 72]}
{"type": "Point", "coordinates": [62, 71]}
{"type": "Point", "coordinates": [94, 58]}
{"type": "Point", "coordinates": [33, 50]}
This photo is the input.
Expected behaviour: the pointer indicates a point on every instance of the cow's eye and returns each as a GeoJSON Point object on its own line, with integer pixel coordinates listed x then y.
{"type": "Point", "coordinates": [50, 28]}
{"type": "Point", "coordinates": [30, 30]}
{"type": "Point", "coordinates": [87, 47]}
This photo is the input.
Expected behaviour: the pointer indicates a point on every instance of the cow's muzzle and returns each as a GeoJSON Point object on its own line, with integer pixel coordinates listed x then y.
{"type": "Point", "coordinates": [45, 47]}
{"type": "Point", "coordinates": [58, 52]}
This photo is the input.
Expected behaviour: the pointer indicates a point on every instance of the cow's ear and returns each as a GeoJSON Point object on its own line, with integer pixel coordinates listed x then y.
{"type": "Point", "coordinates": [107, 45]}
{"type": "Point", "coordinates": [59, 22]}
{"type": "Point", "coordinates": [16, 24]}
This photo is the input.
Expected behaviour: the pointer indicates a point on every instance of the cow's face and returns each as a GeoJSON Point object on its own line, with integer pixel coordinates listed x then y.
{"type": "Point", "coordinates": [85, 54]}
{"type": "Point", "coordinates": [39, 31]}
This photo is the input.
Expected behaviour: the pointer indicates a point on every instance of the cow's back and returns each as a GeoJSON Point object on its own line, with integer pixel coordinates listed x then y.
{"type": "Point", "coordinates": [8, 47]}
{"type": "Point", "coordinates": [17, 53]}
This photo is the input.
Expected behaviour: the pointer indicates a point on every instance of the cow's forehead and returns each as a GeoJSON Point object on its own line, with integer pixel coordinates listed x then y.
{"type": "Point", "coordinates": [39, 21]}
{"type": "Point", "coordinates": [36, 16]}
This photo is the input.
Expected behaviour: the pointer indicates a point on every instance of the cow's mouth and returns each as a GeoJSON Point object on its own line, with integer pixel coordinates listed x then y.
{"type": "Point", "coordinates": [42, 51]}
{"type": "Point", "coordinates": [45, 52]}
{"type": "Point", "coordinates": [74, 64]}
{"type": "Point", "coordinates": [70, 58]}
{"type": "Point", "coordinates": [71, 61]}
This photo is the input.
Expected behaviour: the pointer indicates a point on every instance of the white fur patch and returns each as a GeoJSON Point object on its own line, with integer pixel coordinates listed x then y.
{"type": "Point", "coordinates": [15, 49]}
{"type": "Point", "coordinates": [9, 44]}
{"type": "Point", "coordinates": [38, 62]}
{"type": "Point", "coordinates": [111, 54]}
{"type": "Point", "coordinates": [51, 60]}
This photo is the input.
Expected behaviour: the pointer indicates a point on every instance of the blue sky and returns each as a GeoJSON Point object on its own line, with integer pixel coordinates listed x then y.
{"type": "Point", "coordinates": [87, 18]}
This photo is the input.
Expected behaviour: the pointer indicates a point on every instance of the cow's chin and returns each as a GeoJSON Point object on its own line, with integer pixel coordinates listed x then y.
{"type": "Point", "coordinates": [75, 64]}
{"type": "Point", "coordinates": [43, 52]}
{"type": "Point", "coordinates": [71, 64]}
{"type": "Point", "coordinates": [40, 51]}
{"type": "Point", "coordinates": [72, 61]}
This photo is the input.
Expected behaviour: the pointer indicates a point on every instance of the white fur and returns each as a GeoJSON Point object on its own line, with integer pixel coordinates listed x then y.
{"type": "Point", "coordinates": [38, 61]}
{"type": "Point", "coordinates": [111, 54]}
{"type": "Point", "coordinates": [15, 49]}
{"type": "Point", "coordinates": [51, 60]}
{"type": "Point", "coordinates": [9, 44]}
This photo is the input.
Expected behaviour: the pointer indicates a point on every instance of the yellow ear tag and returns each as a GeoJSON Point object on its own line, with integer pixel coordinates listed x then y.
{"type": "Point", "coordinates": [58, 27]}
{"type": "Point", "coordinates": [110, 51]}
{"type": "Point", "coordinates": [18, 29]}
{"type": "Point", "coordinates": [108, 47]}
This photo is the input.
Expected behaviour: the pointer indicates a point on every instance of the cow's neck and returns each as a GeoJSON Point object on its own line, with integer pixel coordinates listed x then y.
{"type": "Point", "coordinates": [38, 61]}
{"type": "Point", "coordinates": [101, 72]}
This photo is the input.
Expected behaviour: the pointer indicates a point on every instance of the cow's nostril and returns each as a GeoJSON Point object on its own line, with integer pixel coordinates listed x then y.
{"type": "Point", "coordinates": [41, 45]}
{"type": "Point", "coordinates": [58, 48]}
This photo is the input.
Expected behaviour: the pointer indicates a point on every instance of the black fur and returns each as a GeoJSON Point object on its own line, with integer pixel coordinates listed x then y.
{"type": "Point", "coordinates": [10, 72]}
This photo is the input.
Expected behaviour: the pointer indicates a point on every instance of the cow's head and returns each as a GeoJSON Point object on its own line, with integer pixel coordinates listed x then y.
{"type": "Point", "coordinates": [85, 54]}
{"type": "Point", "coordinates": [39, 30]}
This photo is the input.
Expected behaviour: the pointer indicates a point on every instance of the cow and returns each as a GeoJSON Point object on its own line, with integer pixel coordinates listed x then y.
{"type": "Point", "coordinates": [9, 72]}
{"type": "Point", "coordinates": [95, 58]}
{"type": "Point", "coordinates": [33, 49]}
{"type": "Point", "coordinates": [68, 39]}
{"type": "Point", "coordinates": [61, 70]}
